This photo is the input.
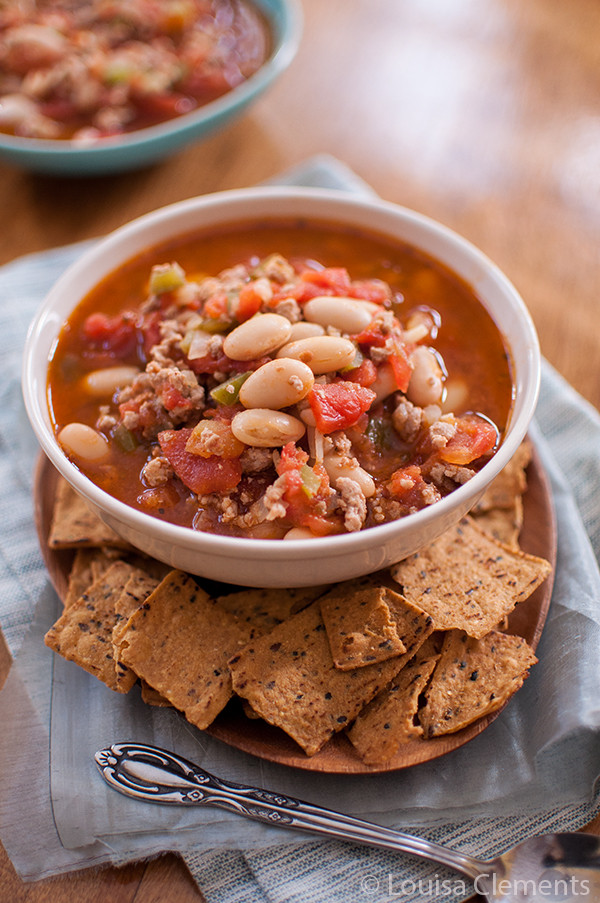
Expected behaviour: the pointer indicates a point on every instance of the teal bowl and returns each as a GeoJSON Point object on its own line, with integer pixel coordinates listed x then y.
{"type": "Point", "coordinates": [146, 146]}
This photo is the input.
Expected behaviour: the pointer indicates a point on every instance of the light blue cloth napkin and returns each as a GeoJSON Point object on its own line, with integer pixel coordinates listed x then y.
{"type": "Point", "coordinates": [534, 769]}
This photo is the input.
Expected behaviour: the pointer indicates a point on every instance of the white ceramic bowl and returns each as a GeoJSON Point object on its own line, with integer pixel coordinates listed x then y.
{"type": "Point", "coordinates": [143, 147]}
{"type": "Point", "coordinates": [256, 562]}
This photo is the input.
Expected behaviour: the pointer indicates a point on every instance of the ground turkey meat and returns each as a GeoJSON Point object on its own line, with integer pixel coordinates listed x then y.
{"type": "Point", "coordinates": [441, 432]}
{"type": "Point", "coordinates": [446, 476]}
{"type": "Point", "coordinates": [407, 420]}
{"type": "Point", "coordinates": [160, 398]}
{"type": "Point", "coordinates": [157, 472]}
{"type": "Point", "coordinates": [278, 269]}
{"type": "Point", "coordinates": [290, 309]}
{"type": "Point", "coordinates": [352, 502]}
{"type": "Point", "coordinates": [168, 350]}
{"type": "Point", "coordinates": [272, 500]}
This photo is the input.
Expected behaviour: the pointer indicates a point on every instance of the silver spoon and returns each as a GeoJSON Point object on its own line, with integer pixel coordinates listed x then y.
{"type": "Point", "coordinates": [551, 867]}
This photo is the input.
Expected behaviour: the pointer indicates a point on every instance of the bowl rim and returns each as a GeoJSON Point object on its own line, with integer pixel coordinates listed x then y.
{"type": "Point", "coordinates": [286, 19]}
{"type": "Point", "coordinates": [35, 394]}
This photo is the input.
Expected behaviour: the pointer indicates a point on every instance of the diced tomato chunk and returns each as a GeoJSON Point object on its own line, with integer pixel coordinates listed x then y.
{"type": "Point", "coordinates": [374, 290]}
{"type": "Point", "coordinates": [299, 291]}
{"type": "Point", "coordinates": [371, 337]}
{"type": "Point", "coordinates": [201, 475]}
{"type": "Point", "coordinates": [291, 458]}
{"type": "Point", "coordinates": [116, 335]}
{"type": "Point", "coordinates": [151, 330]}
{"type": "Point", "coordinates": [339, 405]}
{"type": "Point", "coordinates": [249, 302]}
{"type": "Point", "coordinates": [301, 508]}
{"type": "Point", "coordinates": [365, 374]}
{"type": "Point", "coordinates": [401, 366]}
{"type": "Point", "coordinates": [335, 280]}
{"type": "Point", "coordinates": [404, 476]}
{"type": "Point", "coordinates": [474, 437]}
{"type": "Point", "coordinates": [165, 106]}
{"type": "Point", "coordinates": [172, 398]}
{"type": "Point", "coordinates": [216, 306]}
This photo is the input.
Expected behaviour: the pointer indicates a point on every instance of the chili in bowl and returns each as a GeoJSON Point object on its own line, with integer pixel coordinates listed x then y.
{"type": "Point", "coordinates": [281, 387]}
{"type": "Point", "coordinates": [107, 85]}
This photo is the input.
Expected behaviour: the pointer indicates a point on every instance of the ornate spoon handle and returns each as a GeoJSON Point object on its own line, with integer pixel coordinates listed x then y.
{"type": "Point", "coordinates": [156, 775]}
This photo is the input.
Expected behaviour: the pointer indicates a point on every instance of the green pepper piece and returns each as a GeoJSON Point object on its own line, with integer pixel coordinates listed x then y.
{"type": "Point", "coordinates": [229, 391]}
{"type": "Point", "coordinates": [310, 481]}
{"type": "Point", "coordinates": [166, 277]}
{"type": "Point", "coordinates": [124, 438]}
{"type": "Point", "coordinates": [214, 324]}
{"type": "Point", "coordinates": [377, 431]}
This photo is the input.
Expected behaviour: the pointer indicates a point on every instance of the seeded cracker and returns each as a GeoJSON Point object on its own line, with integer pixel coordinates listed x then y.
{"type": "Point", "coordinates": [510, 482]}
{"type": "Point", "coordinates": [133, 594]}
{"type": "Point", "coordinates": [468, 580]}
{"type": "Point", "coordinates": [389, 720]}
{"type": "Point", "coordinates": [83, 633]}
{"type": "Point", "coordinates": [262, 609]}
{"type": "Point", "coordinates": [360, 627]}
{"type": "Point", "coordinates": [179, 642]}
{"type": "Point", "coordinates": [74, 525]}
{"type": "Point", "coordinates": [151, 697]}
{"type": "Point", "coordinates": [473, 678]}
{"type": "Point", "coordinates": [88, 565]}
{"type": "Point", "coordinates": [504, 524]}
{"type": "Point", "coordinates": [289, 678]}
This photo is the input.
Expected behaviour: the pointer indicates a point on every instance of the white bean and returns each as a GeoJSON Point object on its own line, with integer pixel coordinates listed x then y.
{"type": "Point", "coordinates": [341, 466]}
{"type": "Point", "coordinates": [457, 395]}
{"type": "Point", "coordinates": [83, 442]}
{"type": "Point", "coordinates": [42, 45]}
{"type": "Point", "coordinates": [385, 383]}
{"type": "Point", "coordinates": [304, 330]}
{"type": "Point", "coordinates": [415, 333]}
{"type": "Point", "coordinates": [257, 336]}
{"type": "Point", "coordinates": [346, 314]}
{"type": "Point", "coordinates": [322, 353]}
{"type": "Point", "coordinates": [16, 109]}
{"type": "Point", "coordinates": [263, 428]}
{"type": "Point", "coordinates": [277, 384]}
{"type": "Point", "coordinates": [103, 383]}
{"type": "Point", "coordinates": [300, 533]}
{"type": "Point", "coordinates": [426, 384]}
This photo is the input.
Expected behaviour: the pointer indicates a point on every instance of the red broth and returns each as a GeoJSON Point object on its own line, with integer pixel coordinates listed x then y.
{"type": "Point", "coordinates": [412, 458]}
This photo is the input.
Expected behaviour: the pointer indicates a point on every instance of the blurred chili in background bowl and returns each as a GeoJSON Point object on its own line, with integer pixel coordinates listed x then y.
{"type": "Point", "coordinates": [93, 88]}
{"type": "Point", "coordinates": [248, 560]}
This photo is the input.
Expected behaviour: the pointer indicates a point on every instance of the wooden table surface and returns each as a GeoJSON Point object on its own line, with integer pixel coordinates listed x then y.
{"type": "Point", "coordinates": [483, 115]}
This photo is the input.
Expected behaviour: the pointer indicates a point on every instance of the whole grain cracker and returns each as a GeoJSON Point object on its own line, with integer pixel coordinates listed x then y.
{"type": "Point", "coordinates": [504, 524]}
{"type": "Point", "coordinates": [289, 678]}
{"type": "Point", "coordinates": [88, 565]}
{"type": "Point", "coordinates": [83, 633]}
{"type": "Point", "coordinates": [510, 482]}
{"type": "Point", "coordinates": [473, 677]}
{"type": "Point", "coordinates": [179, 642]}
{"type": "Point", "coordinates": [262, 609]}
{"type": "Point", "coordinates": [360, 627]}
{"type": "Point", "coordinates": [74, 525]}
{"type": "Point", "coordinates": [388, 721]}
{"type": "Point", "coordinates": [135, 591]}
{"type": "Point", "coordinates": [468, 580]}
{"type": "Point", "coordinates": [151, 697]}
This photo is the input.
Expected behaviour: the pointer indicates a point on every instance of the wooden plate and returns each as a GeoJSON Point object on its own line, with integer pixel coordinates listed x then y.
{"type": "Point", "coordinates": [260, 739]}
